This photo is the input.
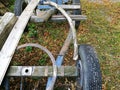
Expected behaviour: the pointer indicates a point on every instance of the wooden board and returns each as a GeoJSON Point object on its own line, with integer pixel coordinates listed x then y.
{"type": "Point", "coordinates": [11, 43]}
{"type": "Point", "coordinates": [6, 24]}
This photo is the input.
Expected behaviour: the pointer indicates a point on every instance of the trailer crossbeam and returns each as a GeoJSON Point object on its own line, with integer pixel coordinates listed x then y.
{"type": "Point", "coordinates": [41, 71]}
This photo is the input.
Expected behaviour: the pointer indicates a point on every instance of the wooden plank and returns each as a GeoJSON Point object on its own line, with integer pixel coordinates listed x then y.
{"type": "Point", "coordinates": [41, 71]}
{"type": "Point", "coordinates": [6, 24]}
{"type": "Point", "coordinates": [11, 43]}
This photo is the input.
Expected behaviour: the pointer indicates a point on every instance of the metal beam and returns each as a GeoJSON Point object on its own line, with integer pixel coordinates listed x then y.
{"type": "Point", "coordinates": [58, 18]}
{"type": "Point", "coordinates": [41, 71]}
{"type": "Point", "coordinates": [71, 7]}
{"type": "Point", "coordinates": [73, 17]}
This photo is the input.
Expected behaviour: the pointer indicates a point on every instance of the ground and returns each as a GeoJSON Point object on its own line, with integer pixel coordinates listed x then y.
{"type": "Point", "coordinates": [101, 30]}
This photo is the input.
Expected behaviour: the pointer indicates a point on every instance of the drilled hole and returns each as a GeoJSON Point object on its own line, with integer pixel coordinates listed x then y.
{"type": "Point", "coordinates": [26, 71]}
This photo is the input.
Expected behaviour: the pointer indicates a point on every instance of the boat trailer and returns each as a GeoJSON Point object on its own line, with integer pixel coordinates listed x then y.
{"type": "Point", "coordinates": [87, 69]}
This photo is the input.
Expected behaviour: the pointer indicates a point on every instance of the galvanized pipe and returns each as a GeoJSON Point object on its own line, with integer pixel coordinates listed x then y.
{"type": "Point", "coordinates": [51, 57]}
{"type": "Point", "coordinates": [71, 26]}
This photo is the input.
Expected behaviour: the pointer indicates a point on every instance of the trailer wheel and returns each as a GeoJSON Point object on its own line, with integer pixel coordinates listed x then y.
{"type": "Point", "coordinates": [89, 75]}
{"type": "Point", "coordinates": [19, 7]}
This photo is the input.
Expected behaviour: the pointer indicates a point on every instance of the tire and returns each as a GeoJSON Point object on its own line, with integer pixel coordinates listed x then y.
{"type": "Point", "coordinates": [19, 7]}
{"type": "Point", "coordinates": [77, 12]}
{"type": "Point", "coordinates": [89, 76]}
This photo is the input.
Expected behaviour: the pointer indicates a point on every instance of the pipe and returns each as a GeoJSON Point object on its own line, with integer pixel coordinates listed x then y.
{"type": "Point", "coordinates": [51, 57]}
{"type": "Point", "coordinates": [75, 57]}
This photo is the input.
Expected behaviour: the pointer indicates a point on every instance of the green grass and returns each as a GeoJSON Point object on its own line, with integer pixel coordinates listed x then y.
{"type": "Point", "coordinates": [42, 61]}
{"type": "Point", "coordinates": [28, 49]}
{"type": "Point", "coordinates": [11, 5]}
{"type": "Point", "coordinates": [32, 32]}
{"type": "Point", "coordinates": [102, 31]}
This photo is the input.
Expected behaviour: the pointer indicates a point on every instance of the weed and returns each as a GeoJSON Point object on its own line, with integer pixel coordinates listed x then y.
{"type": "Point", "coordinates": [43, 59]}
{"type": "Point", "coordinates": [54, 33]}
{"type": "Point", "coordinates": [22, 40]}
{"type": "Point", "coordinates": [40, 40]}
{"type": "Point", "coordinates": [12, 8]}
{"type": "Point", "coordinates": [32, 32]}
{"type": "Point", "coordinates": [42, 62]}
{"type": "Point", "coordinates": [31, 25]}
{"type": "Point", "coordinates": [11, 5]}
{"type": "Point", "coordinates": [16, 63]}
{"type": "Point", "coordinates": [28, 49]}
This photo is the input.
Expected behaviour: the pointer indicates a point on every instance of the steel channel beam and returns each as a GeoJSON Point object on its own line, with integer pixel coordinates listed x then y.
{"type": "Point", "coordinates": [57, 18]}
{"type": "Point", "coordinates": [74, 17]}
{"type": "Point", "coordinates": [61, 55]}
{"type": "Point", "coordinates": [41, 71]}
{"type": "Point", "coordinates": [71, 7]}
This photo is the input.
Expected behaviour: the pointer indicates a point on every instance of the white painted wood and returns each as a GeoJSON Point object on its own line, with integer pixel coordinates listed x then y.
{"type": "Point", "coordinates": [6, 24]}
{"type": "Point", "coordinates": [11, 43]}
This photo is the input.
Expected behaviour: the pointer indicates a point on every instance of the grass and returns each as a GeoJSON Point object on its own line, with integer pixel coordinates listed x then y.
{"type": "Point", "coordinates": [42, 60]}
{"type": "Point", "coordinates": [28, 49]}
{"type": "Point", "coordinates": [102, 31]}
{"type": "Point", "coordinates": [11, 5]}
{"type": "Point", "coordinates": [32, 32]}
